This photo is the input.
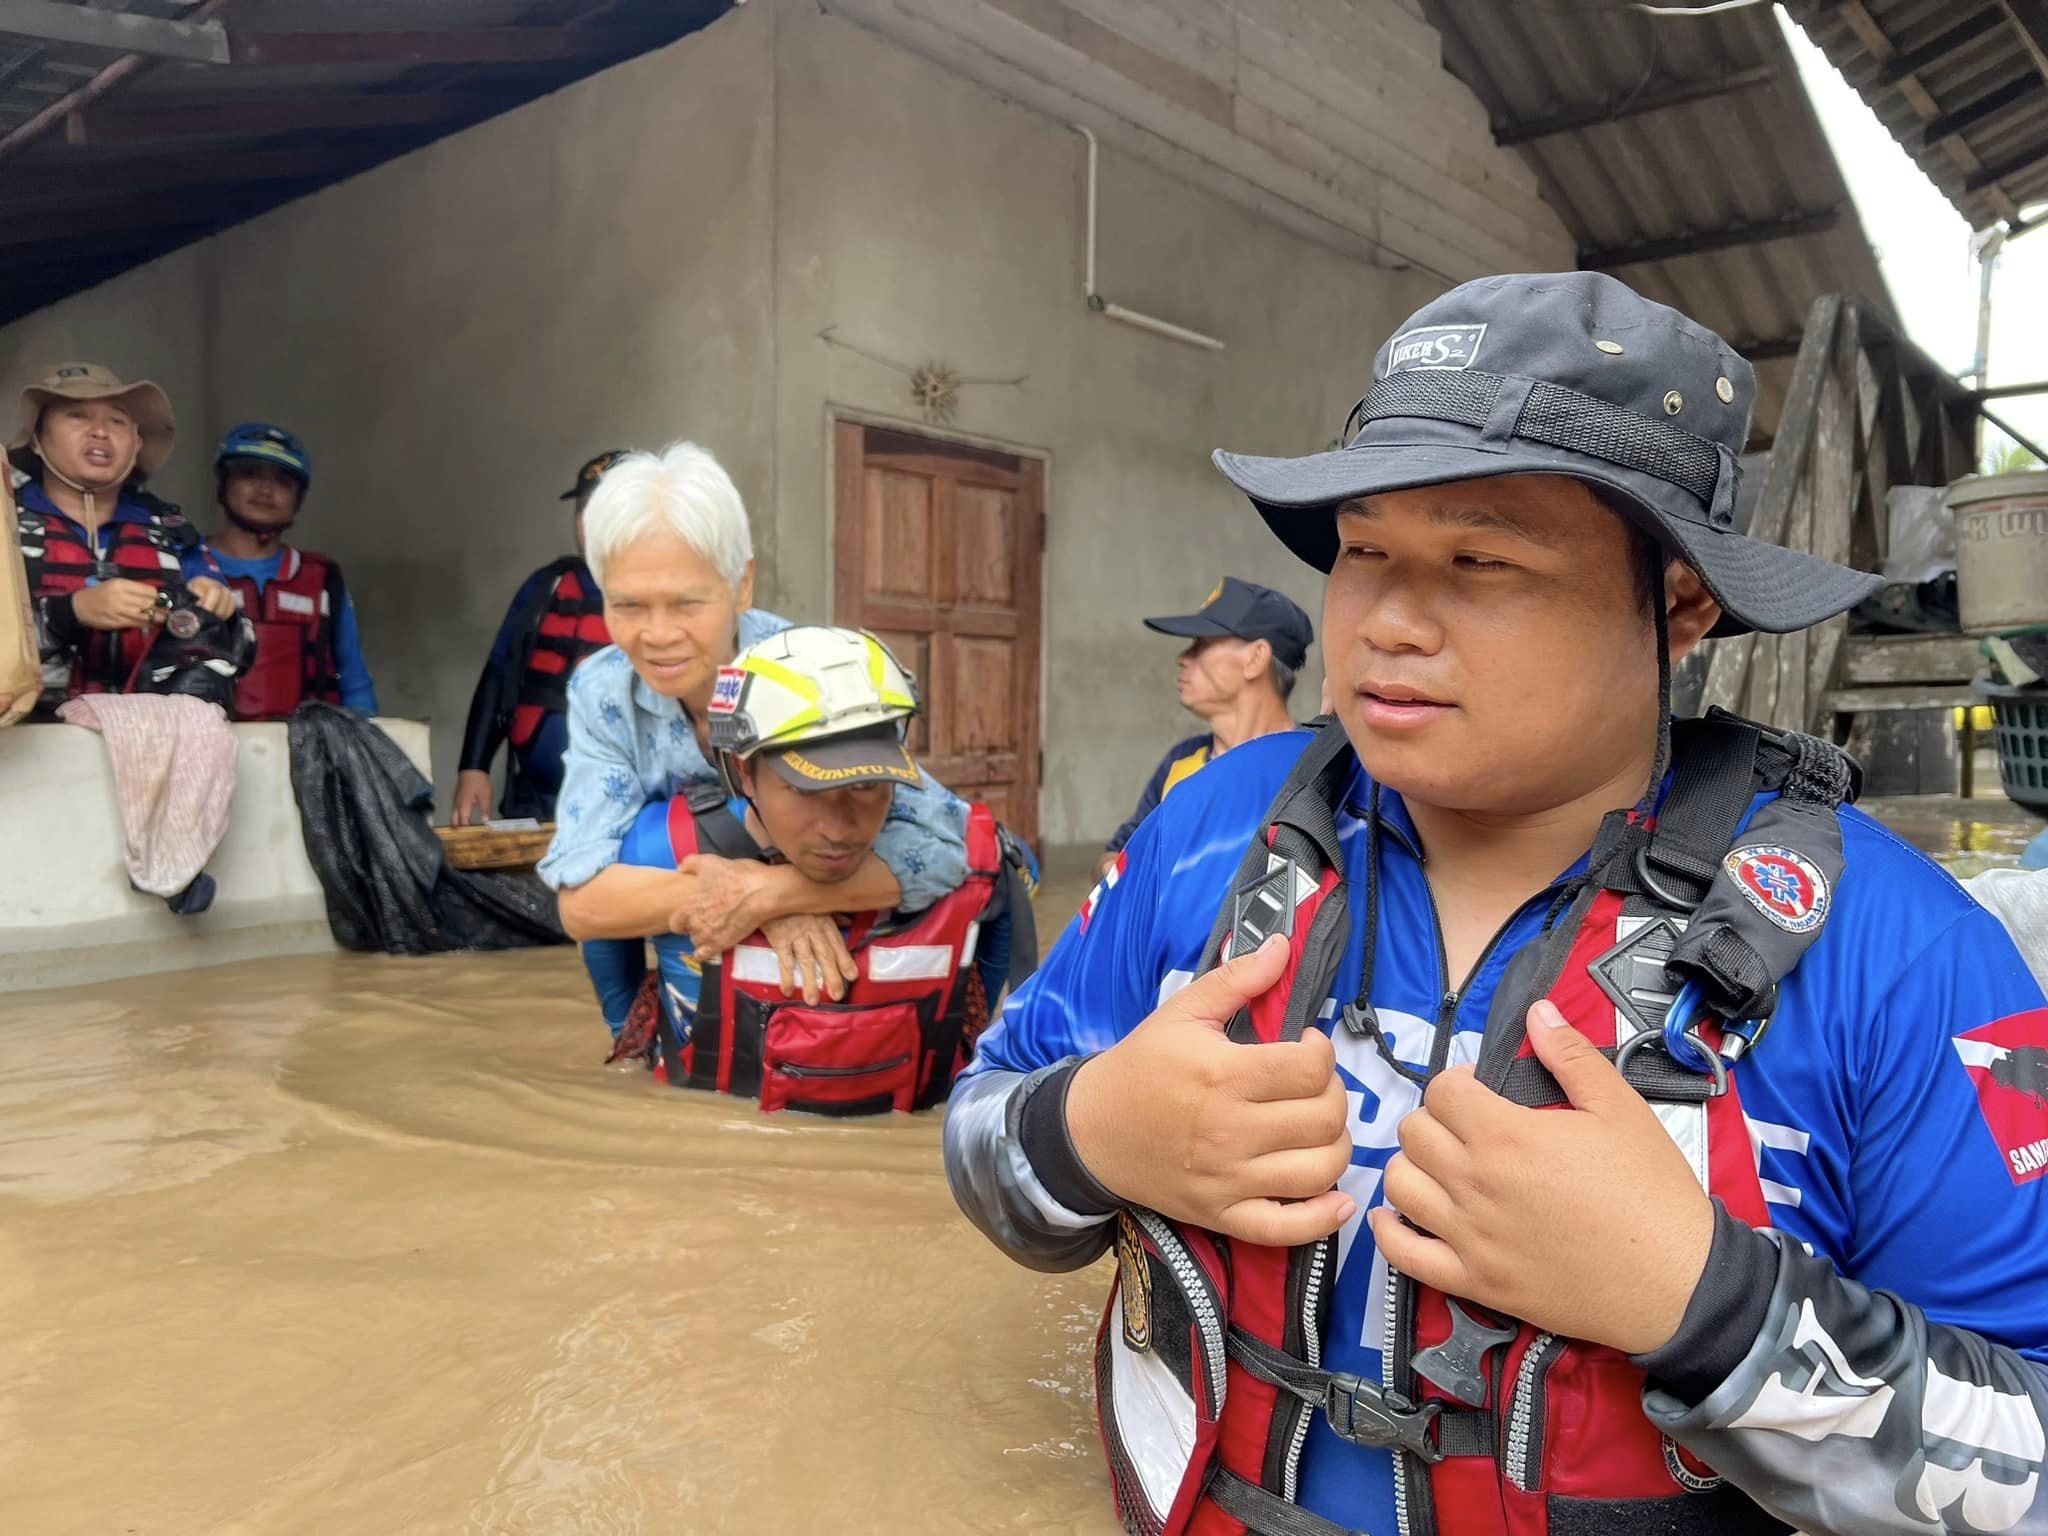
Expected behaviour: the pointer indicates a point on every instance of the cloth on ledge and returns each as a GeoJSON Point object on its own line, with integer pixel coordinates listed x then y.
{"type": "Point", "coordinates": [174, 774]}
{"type": "Point", "coordinates": [363, 809]}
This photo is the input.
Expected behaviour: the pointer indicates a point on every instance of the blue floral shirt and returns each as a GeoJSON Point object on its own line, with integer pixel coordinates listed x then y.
{"type": "Point", "coordinates": [629, 745]}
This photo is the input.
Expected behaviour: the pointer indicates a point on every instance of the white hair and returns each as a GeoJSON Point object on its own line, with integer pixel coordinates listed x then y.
{"type": "Point", "coordinates": [682, 489]}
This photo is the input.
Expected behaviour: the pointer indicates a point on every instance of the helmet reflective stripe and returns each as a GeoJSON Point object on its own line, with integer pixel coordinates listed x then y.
{"type": "Point", "coordinates": [274, 445]}
{"type": "Point", "coordinates": [807, 683]}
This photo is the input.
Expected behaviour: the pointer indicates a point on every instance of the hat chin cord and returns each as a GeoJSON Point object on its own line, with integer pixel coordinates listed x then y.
{"type": "Point", "coordinates": [91, 505]}
{"type": "Point", "coordinates": [1662, 761]}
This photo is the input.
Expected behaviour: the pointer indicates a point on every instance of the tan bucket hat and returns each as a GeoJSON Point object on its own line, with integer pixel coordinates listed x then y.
{"type": "Point", "coordinates": [147, 403]}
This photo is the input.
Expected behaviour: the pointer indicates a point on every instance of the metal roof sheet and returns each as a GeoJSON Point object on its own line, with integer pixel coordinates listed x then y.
{"type": "Point", "coordinates": [1961, 84]}
{"type": "Point", "coordinates": [161, 152]}
{"type": "Point", "coordinates": [1701, 143]}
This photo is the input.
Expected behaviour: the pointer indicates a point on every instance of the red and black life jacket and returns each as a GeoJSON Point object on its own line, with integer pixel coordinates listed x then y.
{"type": "Point", "coordinates": [61, 562]}
{"type": "Point", "coordinates": [569, 626]}
{"type": "Point", "coordinates": [294, 616]}
{"type": "Point", "coordinates": [1206, 1365]}
{"type": "Point", "coordinates": [904, 1031]}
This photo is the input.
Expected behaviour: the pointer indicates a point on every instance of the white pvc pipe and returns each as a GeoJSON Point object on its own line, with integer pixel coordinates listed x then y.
{"type": "Point", "coordinates": [1101, 305]}
{"type": "Point", "coordinates": [1088, 277]}
{"type": "Point", "coordinates": [1160, 327]}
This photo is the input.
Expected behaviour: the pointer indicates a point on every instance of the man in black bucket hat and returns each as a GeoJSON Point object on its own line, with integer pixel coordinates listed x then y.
{"type": "Point", "coordinates": [1518, 1217]}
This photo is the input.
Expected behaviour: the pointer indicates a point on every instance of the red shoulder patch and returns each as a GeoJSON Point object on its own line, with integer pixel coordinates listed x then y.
{"type": "Point", "coordinates": [2008, 1062]}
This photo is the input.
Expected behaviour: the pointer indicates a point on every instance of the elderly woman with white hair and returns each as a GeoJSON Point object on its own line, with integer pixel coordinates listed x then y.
{"type": "Point", "coordinates": [666, 537]}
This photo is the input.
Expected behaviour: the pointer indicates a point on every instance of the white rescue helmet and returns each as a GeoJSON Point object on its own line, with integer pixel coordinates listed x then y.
{"type": "Point", "coordinates": [826, 706]}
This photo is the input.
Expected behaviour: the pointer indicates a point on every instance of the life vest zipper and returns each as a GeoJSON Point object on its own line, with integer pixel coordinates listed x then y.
{"type": "Point", "coordinates": [1194, 1284]}
{"type": "Point", "coordinates": [1395, 1280]}
{"type": "Point", "coordinates": [1312, 1347]}
{"type": "Point", "coordinates": [1397, 1344]}
{"type": "Point", "coordinates": [798, 1069]}
{"type": "Point", "coordinates": [1526, 1421]}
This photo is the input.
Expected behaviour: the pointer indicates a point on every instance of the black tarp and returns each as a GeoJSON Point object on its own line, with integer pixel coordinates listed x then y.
{"type": "Point", "coordinates": [363, 808]}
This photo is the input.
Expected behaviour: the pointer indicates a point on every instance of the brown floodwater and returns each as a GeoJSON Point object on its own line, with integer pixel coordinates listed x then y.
{"type": "Point", "coordinates": [355, 1244]}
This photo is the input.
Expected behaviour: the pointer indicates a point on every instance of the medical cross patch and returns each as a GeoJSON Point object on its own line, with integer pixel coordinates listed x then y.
{"type": "Point", "coordinates": [2008, 1062]}
{"type": "Point", "coordinates": [1781, 884]}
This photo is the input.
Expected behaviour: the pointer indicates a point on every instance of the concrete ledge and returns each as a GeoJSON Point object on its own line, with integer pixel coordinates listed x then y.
{"type": "Point", "coordinates": [67, 913]}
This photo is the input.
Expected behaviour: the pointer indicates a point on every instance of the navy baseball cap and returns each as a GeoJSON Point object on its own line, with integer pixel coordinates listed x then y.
{"type": "Point", "coordinates": [1563, 373]}
{"type": "Point", "coordinates": [1250, 612]}
{"type": "Point", "coordinates": [592, 472]}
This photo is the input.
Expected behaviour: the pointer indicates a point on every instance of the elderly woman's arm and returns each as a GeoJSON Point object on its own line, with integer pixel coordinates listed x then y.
{"type": "Point", "coordinates": [924, 843]}
{"type": "Point", "coordinates": [601, 795]}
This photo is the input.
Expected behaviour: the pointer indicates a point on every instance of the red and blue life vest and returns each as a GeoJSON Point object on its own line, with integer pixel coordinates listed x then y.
{"type": "Point", "coordinates": [61, 563]}
{"type": "Point", "coordinates": [905, 1029]}
{"type": "Point", "coordinates": [1207, 1373]}
{"type": "Point", "coordinates": [294, 617]}
{"type": "Point", "coordinates": [570, 627]}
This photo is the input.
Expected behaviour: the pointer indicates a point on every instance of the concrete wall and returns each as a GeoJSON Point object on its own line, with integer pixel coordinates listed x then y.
{"type": "Point", "coordinates": [653, 252]}
{"type": "Point", "coordinates": [920, 216]}
{"type": "Point", "coordinates": [455, 332]}
{"type": "Point", "coordinates": [80, 921]}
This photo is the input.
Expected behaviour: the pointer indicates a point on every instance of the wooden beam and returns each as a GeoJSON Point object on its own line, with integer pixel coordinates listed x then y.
{"type": "Point", "coordinates": [2029, 18]}
{"type": "Point", "coordinates": [183, 210]}
{"type": "Point", "coordinates": [164, 118]}
{"type": "Point", "coordinates": [1868, 659]}
{"type": "Point", "coordinates": [2019, 91]}
{"type": "Point", "coordinates": [1884, 53]}
{"type": "Point", "coordinates": [1775, 347]}
{"type": "Point", "coordinates": [481, 45]}
{"type": "Point", "coordinates": [2005, 170]}
{"type": "Point", "coordinates": [65, 108]}
{"type": "Point", "coordinates": [87, 26]}
{"type": "Point", "coordinates": [71, 177]}
{"type": "Point", "coordinates": [1674, 94]}
{"type": "Point", "coordinates": [1935, 49]}
{"type": "Point", "coordinates": [1851, 701]}
{"type": "Point", "coordinates": [1603, 259]}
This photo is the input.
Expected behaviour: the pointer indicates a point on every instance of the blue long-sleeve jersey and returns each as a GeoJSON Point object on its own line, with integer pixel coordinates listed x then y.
{"type": "Point", "coordinates": [1898, 1113]}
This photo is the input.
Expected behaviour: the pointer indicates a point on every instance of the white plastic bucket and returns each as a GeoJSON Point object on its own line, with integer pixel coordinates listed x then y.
{"type": "Point", "coordinates": [2001, 550]}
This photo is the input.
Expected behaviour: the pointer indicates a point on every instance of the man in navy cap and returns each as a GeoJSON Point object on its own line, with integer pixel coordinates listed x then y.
{"type": "Point", "coordinates": [1247, 644]}
{"type": "Point", "coordinates": [1416, 1069]}
{"type": "Point", "coordinates": [521, 699]}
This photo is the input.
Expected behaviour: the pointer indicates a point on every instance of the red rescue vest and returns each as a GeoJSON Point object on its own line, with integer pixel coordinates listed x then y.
{"type": "Point", "coordinates": [904, 1031]}
{"type": "Point", "coordinates": [294, 616]}
{"type": "Point", "coordinates": [60, 562]}
{"type": "Point", "coordinates": [1206, 1364]}
{"type": "Point", "coordinates": [571, 626]}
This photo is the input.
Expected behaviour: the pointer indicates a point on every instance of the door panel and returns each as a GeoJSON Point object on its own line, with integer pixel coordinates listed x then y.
{"type": "Point", "coordinates": [940, 552]}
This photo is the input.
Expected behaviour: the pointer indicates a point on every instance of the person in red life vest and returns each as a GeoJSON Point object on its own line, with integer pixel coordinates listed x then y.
{"type": "Point", "coordinates": [308, 645]}
{"type": "Point", "coordinates": [840, 1014]}
{"type": "Point", "coordinates": [1415, 1068]}
{"type": "Point", "coordinates": [1246, 645]}
{"type": "Point", "coordinates": [106, 559]}
{"type": "Point", "coordinates": [556, 620]}
{"type": "Point", "coordinates": [670, 546]}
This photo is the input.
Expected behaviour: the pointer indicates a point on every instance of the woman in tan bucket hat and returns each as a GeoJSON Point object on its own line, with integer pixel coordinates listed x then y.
{"type": "Point", "coordinates": [100, 550]}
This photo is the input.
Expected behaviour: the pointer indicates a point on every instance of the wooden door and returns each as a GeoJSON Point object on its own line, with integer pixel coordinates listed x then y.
{"type": "Point", "coordinates": [940, 552]}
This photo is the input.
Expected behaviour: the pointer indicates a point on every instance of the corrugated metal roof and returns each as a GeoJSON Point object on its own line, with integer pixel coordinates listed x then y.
{"type": "Point", "coordinates": [1736, 151]}
{"type": "Point", "coordinates": [316, 91]}
{"type": "Point", "coordinates": [1958, 86]}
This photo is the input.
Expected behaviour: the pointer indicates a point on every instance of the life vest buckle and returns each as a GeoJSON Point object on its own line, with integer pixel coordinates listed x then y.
{"type": "Point", "coordinates": [1369, 1415]}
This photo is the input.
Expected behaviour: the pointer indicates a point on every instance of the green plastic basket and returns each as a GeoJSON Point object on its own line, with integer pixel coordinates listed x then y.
{"type": "Point", "coordinates": [2020, 730]}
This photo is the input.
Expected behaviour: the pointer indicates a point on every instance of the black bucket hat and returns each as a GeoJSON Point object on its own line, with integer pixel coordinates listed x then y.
{"type": "Point", "coordinates": [1568, 373]}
